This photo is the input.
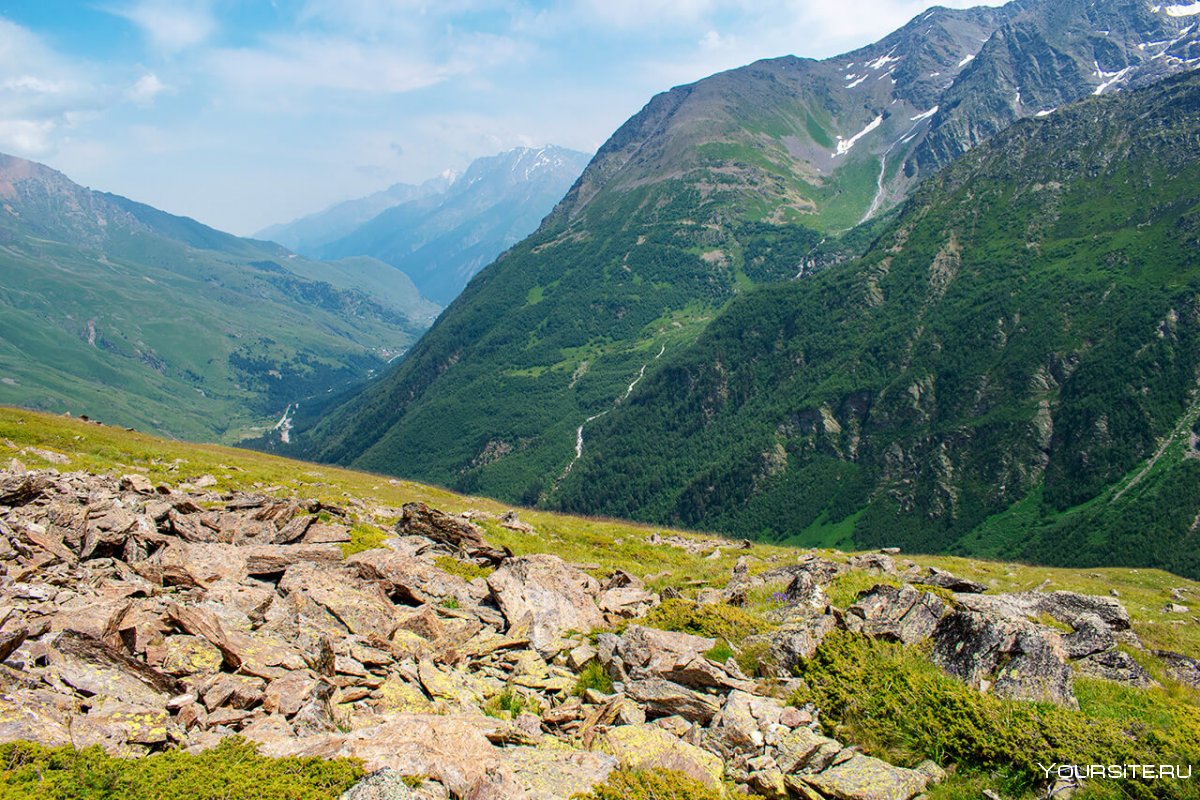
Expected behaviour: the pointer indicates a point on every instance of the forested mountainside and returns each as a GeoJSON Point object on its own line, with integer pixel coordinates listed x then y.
{"type": "Point", "coordinates": [1011, 369]}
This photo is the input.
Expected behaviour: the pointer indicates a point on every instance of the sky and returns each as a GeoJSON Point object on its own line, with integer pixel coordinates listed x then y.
{"type": "Point", "coordinates": [244, 113]}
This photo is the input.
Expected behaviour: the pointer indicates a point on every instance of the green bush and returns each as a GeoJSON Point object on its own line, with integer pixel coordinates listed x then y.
{"type": "Point", "coordinates": [509, 704]}
{"type": "Point", "coordinates": [363, 537]}
{"type": "Point", "coordinates": [713, 620]}
{"type": "Point", "coordinates": [593, 676]}
{"type": "Point", "coordinates": [895, 703]}
{"type": "Point", "coordinates": [233, 770]}
{"type": "Point", "coordinates": [463, 569]}
{"type": "Point", "coordinates": [654, 784]}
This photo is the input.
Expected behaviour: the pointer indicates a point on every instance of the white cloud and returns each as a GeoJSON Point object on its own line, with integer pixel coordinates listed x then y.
{"type": "Point", "coordinates": [170, 26]}
{"type": "Point", "coordinates": [146, 89]}
{"type": "Point", "coordinates": [26, 137]}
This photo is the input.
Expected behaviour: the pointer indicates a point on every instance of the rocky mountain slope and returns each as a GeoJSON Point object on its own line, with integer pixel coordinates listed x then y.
{"type": "Point", "coordinates": [172, 608]}
{"type": "Point", "coordinates": [110, 307]}
{"type": "Point", "coordinates": [1021, 341]}
{"type": "Point", "coordinates": [737, 180]}
{"type": "Point", "coordinates": [448, 230]}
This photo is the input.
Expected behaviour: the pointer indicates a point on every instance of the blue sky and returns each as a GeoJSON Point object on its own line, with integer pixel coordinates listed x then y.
{"type": "Point", "coordinates": [243, 113]}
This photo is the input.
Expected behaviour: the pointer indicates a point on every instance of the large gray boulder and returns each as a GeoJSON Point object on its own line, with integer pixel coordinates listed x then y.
{"type": "Point", "coordinates": [681, 658]}
{"type": "Point", "coordinates": [896, 614]}
{"type": "Point", "coordinates": [796, 640]}
{"type": "Point", "coordinates": [1014, 659]}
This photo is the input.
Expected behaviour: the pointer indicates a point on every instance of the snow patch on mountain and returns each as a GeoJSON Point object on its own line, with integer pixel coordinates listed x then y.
{"type": "Point", "coordinates": [844, 145]}
{"type": "Point", "coordinates": [1190, 10]}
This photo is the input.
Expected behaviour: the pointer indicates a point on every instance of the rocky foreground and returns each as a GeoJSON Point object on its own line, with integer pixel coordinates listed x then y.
{"type": "Point", "coordinates": [141, 617]}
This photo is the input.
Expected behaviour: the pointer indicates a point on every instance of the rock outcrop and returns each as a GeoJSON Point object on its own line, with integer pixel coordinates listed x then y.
{"type": "Point", "coordinates": [141, 617]}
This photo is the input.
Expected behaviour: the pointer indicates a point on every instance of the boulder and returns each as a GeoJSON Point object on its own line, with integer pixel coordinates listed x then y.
{"type": "Point", "coordinates": [266, 559]}
{"type": "Point", "coordinates": [643, 652]}
{"type": "Point", "coordinates": [662, 698]}
{"type": "Point", "coordinates": [804, 750]}
{"type": "Point", "coordinates": [549, 596]}
{"type": "Point", "coordinates": [454, 533]}
{"type": "Point", "coordinates": [36, 716]}
{"type": "Point", "coordinates": [873, 562]}
{"type": "Point", "coordinates": [895, 614]}
{"type": "Point", "coordinates": [1180, 667]}
{"type": "Point", "coordinates": [948, 580]}
{"type": "Point", "coordinates": [92, 667]}
{"type": "Point", "coordinates": [624, 596]}
{"type": "Point", "coordinates": [797, 639]}
{"type": "Point", "coordinates": [451, 749]}
{"type": "Point", "coordinates": [651, 747]}
{"type": "Point", "coordinates": [362, 608]}
{"type": "Point", "coordinates": [1115, 665]}
{"type": "Point", "coordinates": [288, 694]}
{"type": "Point", "coordinates": [384, 784]}
{"type": "Point", "coordinates": [190, 655]}
{"type": "Point", "coordinates": [866, 778]}
{"type": "Point", "coordinates": [414, 580]}
{"type": "Point", "coordinates": [113, 724]}
{"type": "Point", "coordinates": [1091, 635]}
{"type": "Point", "coordinates": [531, 773]}
{"type": "Point", "coordinates": [259, 654]}
{"type": "Point", "coordinates": [805, 591]}
{"type": "Point", "coordinates": [1015, 659]}
{"type": "Point", "coordinates": [1065, 607]}
{"type": "Point", "coordinates": [746, 722]}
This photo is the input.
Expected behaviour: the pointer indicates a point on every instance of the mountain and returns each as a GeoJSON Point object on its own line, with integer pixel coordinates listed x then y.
{"type": "Point", "coordinates": [1013, 368]}
{"type": "Point", "coordinates": [309, 233]}
{"type": "Point", "coordinates": [114, 309]}
{"type": "Point", "coordinates": [449, 231]}
{"type": "Point", "coordinates": [747, 177]}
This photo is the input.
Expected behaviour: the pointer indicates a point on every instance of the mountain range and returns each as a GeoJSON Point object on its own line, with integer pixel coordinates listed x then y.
{"type": "Point", "coordinates": [113, 308]}
{"type": "Point", "coordinates": [950, 362]}
{"type": "Point", "coordinates": [444, 231]}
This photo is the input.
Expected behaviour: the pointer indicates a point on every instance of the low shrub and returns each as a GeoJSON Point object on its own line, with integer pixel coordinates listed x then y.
{"type": "Point", "coordinates": [363, 537]}
{"type": "Point", "coordinates": [233, 770]}
{"type": "Point", "coordinates": [712, 620]}
{"type": "Point", "coordinates": [593, 676]}
{"type": "Point", "coordinates": [895, 703]}
{"type": "Point", "coordinates": [656, 784]}
{"type": "Point", "coordinates": [463, 569]}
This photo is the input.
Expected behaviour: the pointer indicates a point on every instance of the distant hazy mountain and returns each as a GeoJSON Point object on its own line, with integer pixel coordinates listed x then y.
{"type": "Point", "coordinates": [112, 308]}
{"type": "Point", "coordinates": [310, 233]}
{"type": "Point", "coordinates": [441, 237]}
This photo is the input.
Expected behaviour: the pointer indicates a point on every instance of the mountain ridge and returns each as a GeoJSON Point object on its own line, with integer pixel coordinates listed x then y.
{"type": "Point", "coordinates": [116, 309]}
{"type": "Point", "coordinates": [443, 232]}
{"type": "Point", "coordinates": [706, 192]}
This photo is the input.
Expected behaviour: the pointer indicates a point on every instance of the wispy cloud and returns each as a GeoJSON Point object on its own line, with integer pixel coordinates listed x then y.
{"type": "Point", "coordinates": [170, 25]}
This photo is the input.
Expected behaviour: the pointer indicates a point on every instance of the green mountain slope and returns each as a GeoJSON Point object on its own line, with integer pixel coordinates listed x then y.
{"type": "Point", "coordinates": [991, 377]}
{"type": "Point", "coordinates": [744, 178]}
{"type": "Point", "coordinates": [115, 309]}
